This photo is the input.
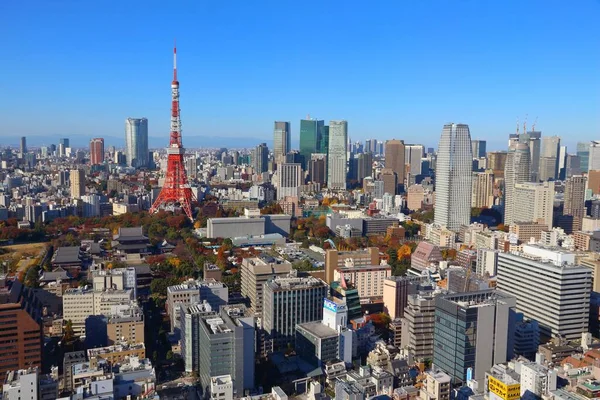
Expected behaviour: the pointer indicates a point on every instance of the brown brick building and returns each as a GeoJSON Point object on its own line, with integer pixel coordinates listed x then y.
{"type": "Point", "coordinates": [20, 328]}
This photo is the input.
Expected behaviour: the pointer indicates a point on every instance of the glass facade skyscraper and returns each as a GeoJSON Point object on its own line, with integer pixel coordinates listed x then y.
{"type": "Point", "coordinates": [583, 152]}
{"type": "Point", "coordinates": [311, 134]}
{"type": "Point", "coordinates": [337, 158]}
{"type": "Point", "coordinates": [282, 139]}
{"type": "Point", "coordinates": [136, 142]}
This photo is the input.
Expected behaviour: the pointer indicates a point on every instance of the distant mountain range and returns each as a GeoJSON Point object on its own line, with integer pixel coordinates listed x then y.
{"type": "Point", "coordinates": [153, 141]}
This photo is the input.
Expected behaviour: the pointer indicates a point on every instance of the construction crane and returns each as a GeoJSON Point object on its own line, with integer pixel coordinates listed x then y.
{"type": "Point", "coordinates": [533, 126]}
{"type": "Point", "coordinates": [525, 124]}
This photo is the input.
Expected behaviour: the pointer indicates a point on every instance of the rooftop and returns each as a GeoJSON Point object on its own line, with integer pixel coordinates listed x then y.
{"type": "Point", "coordinates": [294, 283]}
{"type": "Point", "coordinates": [319, 330]}
{"type": "Point", "coordinates": [117, 348]}
{"type": "Point", "coordinates": [194, 285]}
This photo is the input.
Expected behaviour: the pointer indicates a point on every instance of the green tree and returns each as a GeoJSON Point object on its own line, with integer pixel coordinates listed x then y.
{"type": "Point", "coordinates": [69, 334]}
{"type": "Point", "coordinates": [169, 355]}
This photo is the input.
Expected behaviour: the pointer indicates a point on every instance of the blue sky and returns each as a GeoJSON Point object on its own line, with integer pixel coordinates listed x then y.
{"type": "Point", "coordinates": [393, 69]}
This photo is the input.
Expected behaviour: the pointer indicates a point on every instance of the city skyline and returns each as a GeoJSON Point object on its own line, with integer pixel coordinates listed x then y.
{"type": "Point", "coordinates": [124, 75]}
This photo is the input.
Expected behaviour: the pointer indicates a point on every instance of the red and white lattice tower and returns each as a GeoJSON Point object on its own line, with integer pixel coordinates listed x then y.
{"type": "Point", "coordinates": [176, 191]}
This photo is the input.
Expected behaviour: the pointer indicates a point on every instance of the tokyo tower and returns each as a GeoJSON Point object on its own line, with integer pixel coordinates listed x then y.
{"type": "Point", "coordinates": [176, 191]}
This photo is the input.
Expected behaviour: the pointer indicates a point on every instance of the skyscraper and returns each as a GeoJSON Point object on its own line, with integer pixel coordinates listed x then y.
{"type": "Point", "coordinates": [64, 142]}
{"type": "Point", "coordinates": [483, 189]}
{"type": "Point", "coordinates": [260, 158]}
{"type": "Point", "coordinates": [472, 330]}
{"type": "Point", "coordinates": [453, 177]}
{"type": "Point", "coordinates": [136, 142]}
{"type": "Point", "coordinates": [282, 139]}
{"type": "Point", "coordinates": [289, 179]}
{"type": "Point", "coordinates": [394, 159]}
{"type": "Point", "coordinates": [96, 151]}
{"type": "Point", "coordinates": [594, 156]}
{"type": "Point", "coordinates": [533, 202]}
{"type": "Point", "coordinates": [583, 152]}
{"type": "Point", "coordinates": [23, 148]}
{"type": "Point", "coordinates": [77, 177]}
{"type": "Point", "coordinates": [478, 148]}
{"type": "Point", "coordinates": [548, 166]}
{"type": "Point", "coordinates": [574, 206]}
{"type": "Point", "coordinates": [317, 167]}
{"type": "Point", "coordinates": [311, 133]}
{"type": "Point", "coordinates": [323, 143]}
{"type": "Point", "coordinates": [337, 157]}
{"type": "Point", "coordinates": [365, 166]}
{"type": "Point", "coordinates": [413, 154]}
{"type": "Point", "coordinates": [517, 170]}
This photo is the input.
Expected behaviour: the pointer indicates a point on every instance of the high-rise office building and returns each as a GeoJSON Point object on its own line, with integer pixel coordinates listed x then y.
{"type": "Point", "coordinates": [323, 143]}
{"type": "Point", "coordinates": [395, 159]}
{"type": "Point", "coordinates": [23, 147]}
{"type": "Point", "coordinates": [64, 142]}
{"type": "Point", "coordinates": [594, 156]}
{"type": "Point", "coordinates": [226, 345]}
{"type": "Point", "coordinates": [96, 151]}
{"type": "Point", "coordinates": [478, 148]}
{"type": "Point", "coordinates": [365, 166]}
{"type": "Point", "coordinates": [317, 167]}
{"type": "Point", "coordinates": [136, 142]}
{"type": "Point", "coordinates": [289, 180]}
{"type": "Point", "coordinates": [533, 139]}
{"type": "Point", "coordinates": [390, 182]}
{"type": "Point", "coordinates": [311, 132]}
{"type": "Point", "coordinates": [483, 189]}
{"type": "Point", "coordinates": [517, 170]}
{"type": "Point", "coordinates": [550, 288]}
{"type": "Point", "coordinates": [453, 177]}
{"type": "Point", "coordinates": [497, 162]}
{"type": "Point", "coordinates": [413, 156]}
{"type": "Point", "coordinates": [562, 163]}
{"type": "Point", "coordinates": [573, 165]}
{"type": "Point", "coordinates": [255, 272]}
{"type": "Point", "coordinates": [282, 140]}
{"type": "Point", "coordinates": [533, 202]}
{"type": "Point", "coordinates": [290, 300]}
{"type": "Point", "coordinates": [260, 158]}
{"type": "Point", "coordinates": [549, 158]}
{"type": "Point", "coordinates": [472, 331]}
{"type": "Point", "coordinates": [77, 177]}
{"type": "Point", "coordinates": [417, 325]}
{"type": "Point", "coordinates": [574, 207]}
{"type": "Point", "coordinates": [395, 293]}
{"type": "Point", "coordinates": [337, 157]}
{"type": "Point", "coordinates": [583, 152]}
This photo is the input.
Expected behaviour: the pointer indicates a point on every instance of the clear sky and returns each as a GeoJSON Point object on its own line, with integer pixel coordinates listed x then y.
{"type": "Point", "coordinates": [393, 69]}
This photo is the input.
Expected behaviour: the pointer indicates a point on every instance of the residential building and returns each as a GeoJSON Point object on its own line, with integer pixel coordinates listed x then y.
{"type": "Point", "coordinates": [535, 203]}
{"type": "Point", "coordinates": [71, 359]}
{"type": "Point", "coordinates": [136, 142]}
{"type": "Point", "coordinates": [483, 189]}
{"type": "Point", "coordinates": [21, 316]}
{"type": "Point", "coordinates": [29, 384]}
{"type": "Point", "coordinates": [395, 160]}
{"type": "Point", "coordinates": [337, 157]}
{"type": "Point", "coordinates": [126, 325]}
{"type": "Point", "coordinates": [437, 386]}
{"type": "Point", "coordinates": [255, 272]}
{"type": "Point", "coordinates": [282, 140]}
{"type": "Point", "coordinates": [97, 151]}
{"type": "Point", "coordinates": [453, 177]}
{"type": "Point", "coordinates": [191, 292]}
{"type": "Point", "coordinates": [336, 258]}
{"type": "Point", "coordinates": [458, 350]}
{"type": "Point", "coordinates": [288, 301]}
{"type": "Point", "coordinates": [226, 347]}
{"type": "Point", "coordinates": [560, 301]}
{"type": "Point", "coordinates": [221, 387]}
{"type": "Point", "coordinates": [525, 231]}
{"type": "Point", "coordinates": [289, 180]}
{"type": "Point", "coordinates": [77, 177]}
{"type": "Point", "coordinates": [517, 170]}
{"type": "Point", "coordinates": [417, 325]}
{"type": "Point", "coordinates": [537, 379]}
{"type": "Point", "coordinates": [368, 279]}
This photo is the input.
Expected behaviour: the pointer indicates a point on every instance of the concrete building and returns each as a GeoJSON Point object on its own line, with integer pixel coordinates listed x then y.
{"type": "Point", "coordinates": [260, 158]}
{"type": "Point", "coordinates": [337, 258]}
{"type": "Point", "coordinates": [425, 255]}
{"type": "Point", "coordinates": [560, 300]}
{"type": "Point", "coordinates": [478, 148]}
{"type": "Point", "coordinates": [221, 387]}
{"type": "Point", "coordinates": [337, 158]}
{"type": "Point", "coordinates": [594, 155]}
{"type": "Point", "coordinates": [317, 168]}
{"type": "Point", "coordinates": [574, 207]}
{"type": "Point", "coordinates": [517, 170]}
{"type": "Point", "coordinates": [77, 177]}
{"type": "Point", "coordinates": [502, 383]}
{"type": "Point", "coordinates": [282, 140]}
{"type": "Point", "coordinates": [126, 325]}
{"type": "Point", "coordinates": [453, 177]}
{"type": "Point", "coordinates": [437, 386]}
{"type": "Point", "coordinates": [29, 384]}
{"type": "Point", "coordinates": [396, 290]}
{"type": "Point", "coordinates": [487, 262]}
{"type": "Point", "coordinates": [289, 180]}
{"type": "Point", "coordinates": [548, 163]}
{"type": "Point", "coordinates": [368, 279]}
{"type": "Point", "coordinates": [497, 162]}
{"type": "Point", "coordinates": [593, 181]}
{"type": "Point", "coordinates": [189, 317]}
{"type": "Point", "coordinates": [216, 294]}
{"type": "Point", "coordinates": [21, 316]}
{"type": "Point", "coordinates": [488, 315]}
{"type": "Point", "coordinates": [535, 203]}
{"type": "Point", "coordinates": [413, 154]}
{"type": "Point", "coordinates": [537, 379]}
{"type": "Point", "coordinates": [395, 160]}
{"type": "Point", "coordinates": [289, 301]}
{"type": "Point", "coordinates": [226, 347]}
{"type": "Point", "coordinates": [483, 189]}
{"type": "Point", "coordinates": [136, 142]}
{"type": "Point", "coordinates": [256, 272]}
{"type": "Point", "coordinates": [417, 325]}
{"type": "Point", "coordinates": [251, 224]}
{"type": "Point", "coordinates": [415, 197]}
{"type": "Point", "coordinates": [525, 231]}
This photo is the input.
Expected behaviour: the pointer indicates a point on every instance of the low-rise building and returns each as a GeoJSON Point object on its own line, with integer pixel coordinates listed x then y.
{"type": "Point", "coordinates": [117, 353]}
{"type": "Point", "coordinates": [368, 279]}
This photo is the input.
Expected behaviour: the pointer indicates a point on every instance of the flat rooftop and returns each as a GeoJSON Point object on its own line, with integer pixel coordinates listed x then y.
{"type": "Point", "coordinates": [319, 330]}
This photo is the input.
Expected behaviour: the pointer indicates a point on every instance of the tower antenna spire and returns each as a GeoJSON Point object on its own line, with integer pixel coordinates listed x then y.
{"type": "Point", "coordinates": [175, 60]}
